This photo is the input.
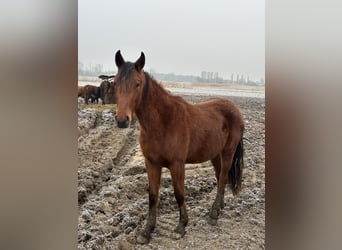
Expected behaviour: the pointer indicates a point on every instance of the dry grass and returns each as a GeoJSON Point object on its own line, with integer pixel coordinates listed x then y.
{"type": "Point", "coordinates": [97, 107]}
{"type": "Point", "coordinates": [89, 79]}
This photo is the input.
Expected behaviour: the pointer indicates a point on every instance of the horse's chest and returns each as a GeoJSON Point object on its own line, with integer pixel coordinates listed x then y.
{"type": "Point", "coordinates": [160, 151]}
{"type": "Point", "coordinates": [155, 155]}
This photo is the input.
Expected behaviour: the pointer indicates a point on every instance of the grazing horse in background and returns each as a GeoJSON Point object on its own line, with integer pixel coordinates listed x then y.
{"type": "Point", "coordinates": [174, 132]}
{"type": "Point", "coordinates": [80, 91]}
{"type": "Point", "coordinates": [107, 89]}
{"type": "Point", "coordinates": [92, 92]}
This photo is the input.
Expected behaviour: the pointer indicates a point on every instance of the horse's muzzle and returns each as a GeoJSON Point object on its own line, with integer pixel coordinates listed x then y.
{"type": "Point", "coordinates": [124, 123]}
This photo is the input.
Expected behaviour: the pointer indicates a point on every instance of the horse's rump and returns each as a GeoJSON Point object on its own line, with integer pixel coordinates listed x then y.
{"type": "Point", "coordinates": [80, 91]}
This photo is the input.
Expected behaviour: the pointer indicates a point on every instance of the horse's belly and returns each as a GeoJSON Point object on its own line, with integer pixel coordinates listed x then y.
{"type": "Point", "coordinates": [205, 150]}
{"type": "Point", "coordinates": [199, 158]}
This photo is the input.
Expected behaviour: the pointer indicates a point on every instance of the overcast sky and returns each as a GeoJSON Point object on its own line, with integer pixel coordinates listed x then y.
{"type": "Point", "coordinates": [183, 37]}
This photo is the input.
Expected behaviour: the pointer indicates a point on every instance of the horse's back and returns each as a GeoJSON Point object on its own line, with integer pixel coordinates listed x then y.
{"type": "Point", "coordinates": [92, 90]}
{"type": "Point", "coordinates": [219, 104]}
{"type": "Point", "coordinates": [228, 109]}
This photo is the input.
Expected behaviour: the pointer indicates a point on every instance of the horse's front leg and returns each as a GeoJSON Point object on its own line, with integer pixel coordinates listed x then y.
{"type": "Point", "coordinates": [153, 174]}
{"type": "Point", "coordinates": [177, 173]}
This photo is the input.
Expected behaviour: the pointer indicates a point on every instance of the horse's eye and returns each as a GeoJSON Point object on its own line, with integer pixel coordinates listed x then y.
{"type": "Point", "coordinates": [137, 84]}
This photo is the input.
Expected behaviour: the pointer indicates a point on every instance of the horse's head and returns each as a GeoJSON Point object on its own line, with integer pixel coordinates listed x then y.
{"type": "Point", "coordinates": [129, 84]}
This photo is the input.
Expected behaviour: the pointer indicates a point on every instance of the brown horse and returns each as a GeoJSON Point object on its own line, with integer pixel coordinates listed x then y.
{"type": "Point", "coordinates": [92, 92]}
{"type": "Point", "coordinates": [107, 92]}
{"type": "Point", "coordinates": [174, 132]}
{"type": "Point", "coordinates": [80, 91]}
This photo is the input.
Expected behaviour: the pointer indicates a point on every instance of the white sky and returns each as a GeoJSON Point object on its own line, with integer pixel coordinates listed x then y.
{"type": "Point", "coordinates": [183, 37]}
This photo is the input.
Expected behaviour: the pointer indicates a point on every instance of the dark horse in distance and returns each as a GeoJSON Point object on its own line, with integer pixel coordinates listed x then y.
{"type": "Point", "coordinates": [107, 89]}
{"type": "Point", "coordinates": [174, 132]}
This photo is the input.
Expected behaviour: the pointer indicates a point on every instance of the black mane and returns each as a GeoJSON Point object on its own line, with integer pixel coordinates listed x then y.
{"type": "Point", "coordinates": [147, 77]}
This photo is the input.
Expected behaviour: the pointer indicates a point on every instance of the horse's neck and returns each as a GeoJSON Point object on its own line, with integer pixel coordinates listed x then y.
{"type": "Point", "coordinates": [154, 105]}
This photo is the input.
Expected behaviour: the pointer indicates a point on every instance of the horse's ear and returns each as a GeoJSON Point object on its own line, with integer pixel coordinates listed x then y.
{"type": "Point", "coordinates": [139, 64]}
{"type": "Point", "coordinates": [119, 61]}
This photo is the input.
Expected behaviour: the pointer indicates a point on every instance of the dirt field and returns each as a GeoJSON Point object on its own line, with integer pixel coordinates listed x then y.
{"type": "Point", "coordinates": [113, 198]}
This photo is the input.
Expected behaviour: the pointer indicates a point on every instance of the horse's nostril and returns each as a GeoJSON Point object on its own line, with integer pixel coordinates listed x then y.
{"type": "Point", "coordinates": [124, 123]}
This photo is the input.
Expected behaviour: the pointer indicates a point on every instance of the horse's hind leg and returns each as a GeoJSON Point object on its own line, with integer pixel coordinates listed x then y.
{"type": "Point", "coordinates": [217, 167]}
{"type": "Point", "coordinates": [226, 161]}
{"type": "Point", "coordinates": [177, 173]}
{"type": "Point", "coordinates": [154, 174]}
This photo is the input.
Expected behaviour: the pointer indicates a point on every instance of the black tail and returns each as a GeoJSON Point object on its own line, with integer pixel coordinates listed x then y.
{"type": "Point", "coordinates": [235, 172]}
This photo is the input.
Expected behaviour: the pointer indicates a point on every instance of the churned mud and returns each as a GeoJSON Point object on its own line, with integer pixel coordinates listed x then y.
{"type": "Point", "coordinates": [113, 198]}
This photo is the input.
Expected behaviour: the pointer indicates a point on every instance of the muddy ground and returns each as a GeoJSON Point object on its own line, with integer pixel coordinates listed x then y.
{"type": "Point", "coordinates": [113, 198]}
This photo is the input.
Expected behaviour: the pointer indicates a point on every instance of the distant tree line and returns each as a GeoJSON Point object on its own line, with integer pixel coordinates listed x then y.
{"type": "Point", "coordinates": [172, 77]}
{"type": "Point", "coordinates": [92, 70]}
{"type": "Point", "coordinates": [243, 80]}
{"type": "Point", "coordinates": [206, 76]}
{"type": "Point", "coordinates": [210, 77]}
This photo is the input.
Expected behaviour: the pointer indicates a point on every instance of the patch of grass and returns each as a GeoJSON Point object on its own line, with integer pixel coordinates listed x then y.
{"type": "Point", "coordinates": [97, 107]}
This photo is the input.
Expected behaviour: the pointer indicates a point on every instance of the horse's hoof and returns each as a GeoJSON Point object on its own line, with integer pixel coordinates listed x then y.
{"type": "Point", "coordinates": [142, 240]}
{"type": "Point", "coordinates": [180, 229]}
{"type": "Point", "coordinates": [176, 236]}
{"type": "Point", "coordinates": [214, 213]}
{"type": "Point", "coordinates": [178, 233]}
{"type": "Point", "coordinates": [212, 221]}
